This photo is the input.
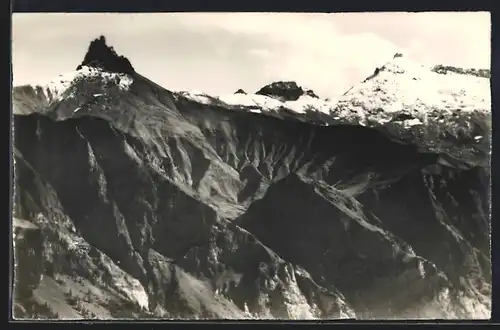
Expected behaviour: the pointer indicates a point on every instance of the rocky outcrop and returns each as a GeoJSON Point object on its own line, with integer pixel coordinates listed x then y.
{"type": "Point", "coordinates": [285, 91]}
{"type": "Point", "coordinates": [100, 55]}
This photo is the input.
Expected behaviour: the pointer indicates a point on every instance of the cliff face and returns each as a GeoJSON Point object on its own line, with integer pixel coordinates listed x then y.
{"type": "Point", "coordinates": [186, 208]}
{"type": "Point", "coordinates": [156, 224]}
{"type": "Point", "coordinates": [28, 245]}
{"type": "Point", "coordinates": [99, 54]}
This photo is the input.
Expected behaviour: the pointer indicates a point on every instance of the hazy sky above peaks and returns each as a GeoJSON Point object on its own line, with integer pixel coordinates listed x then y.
{"type": "Point", "coordinates": [219, 53]}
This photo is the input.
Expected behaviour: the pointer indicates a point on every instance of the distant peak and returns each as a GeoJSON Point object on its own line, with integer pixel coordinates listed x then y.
{"type": "Point", "coordinates": [285, 90]}
{"type": "Point", "coordinates": [240, 91]}
{"type": "Point", "coordinates": [100, 55]}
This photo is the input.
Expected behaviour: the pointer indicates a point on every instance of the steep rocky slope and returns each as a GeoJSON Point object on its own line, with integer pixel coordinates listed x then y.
{"type": "Point", "coordinates": [164, 204]}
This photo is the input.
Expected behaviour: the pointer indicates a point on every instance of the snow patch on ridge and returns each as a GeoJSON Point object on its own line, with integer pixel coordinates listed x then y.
{"type": "Point", "coordinates": [412, 122]}
{"type": "Point", "coordinates": [266, 103]}
{"type": "Point", "coordinates": [403, 85]}
{"type": "Point", "coordinates": [60, 87]}
{"type": "Point", "coordinates": [197, 96]}
{"type": "Point", "coordinates": [261, 103]}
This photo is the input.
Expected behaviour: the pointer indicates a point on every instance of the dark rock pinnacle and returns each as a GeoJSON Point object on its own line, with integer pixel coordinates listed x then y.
{"type": "Point", "coordinates": [100, 55]}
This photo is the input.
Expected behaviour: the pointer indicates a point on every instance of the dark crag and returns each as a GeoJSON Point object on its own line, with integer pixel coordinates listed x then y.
{"type": "Point", "coordinates": [285, 90]}
{"type": "Point", "coordinates": [99, 54]}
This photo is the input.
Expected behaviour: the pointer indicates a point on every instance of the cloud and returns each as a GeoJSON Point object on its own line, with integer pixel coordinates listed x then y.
{"type": "Point", "coordinates": [455, 38]}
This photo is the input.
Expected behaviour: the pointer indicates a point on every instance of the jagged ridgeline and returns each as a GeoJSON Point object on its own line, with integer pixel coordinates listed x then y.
{"type": "Point", "coordinates": [285, 90]}
{"type": "Point", "coordinates": [99, 54]}
{"type": "Point", "coordinates": [444, 69]}
{"type": "Point", "coordinates": [135, 201]}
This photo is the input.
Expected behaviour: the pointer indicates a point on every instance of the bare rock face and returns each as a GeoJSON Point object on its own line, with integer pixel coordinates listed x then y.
{"type": "Point", "coordinates": [105, 57]}
{"type": "Point", "coordinates": [180, 207]}
{"type": "Point", "coordinates": [284, 90]}
{"type": "Point", "coordinates": [370, 262]}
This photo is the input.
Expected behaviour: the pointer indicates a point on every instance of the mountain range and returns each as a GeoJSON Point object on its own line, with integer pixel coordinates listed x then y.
{"type": "Point", "coordinates": [135, 201]}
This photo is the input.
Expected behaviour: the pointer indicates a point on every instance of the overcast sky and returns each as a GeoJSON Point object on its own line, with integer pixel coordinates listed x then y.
{"type": "Point", "coordinates": [218, 53]}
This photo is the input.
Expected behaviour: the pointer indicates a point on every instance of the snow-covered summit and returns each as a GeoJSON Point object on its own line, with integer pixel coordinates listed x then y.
{"type": "Point", "coordinates": [61, 86]}
{"type": "Point", "coordinates": [101, 72]}
{"type": "Point", "coordinates": [405, 86]}
{"type": "Point", "coordinates": [438, 111]}
{"type": "Point", "coordinates": [68, 86]}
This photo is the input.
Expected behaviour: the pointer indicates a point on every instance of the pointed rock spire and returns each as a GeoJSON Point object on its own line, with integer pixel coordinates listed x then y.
{"type": "Point", "coordinates": [100, 55]}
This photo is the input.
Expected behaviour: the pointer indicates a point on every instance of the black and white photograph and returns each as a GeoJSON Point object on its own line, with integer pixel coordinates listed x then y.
{"type": "Point", "coordinates": [251, 166]}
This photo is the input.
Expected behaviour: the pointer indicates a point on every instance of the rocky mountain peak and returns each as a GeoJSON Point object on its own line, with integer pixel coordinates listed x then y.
{"type": "Point", "coordinates": [285, 90]}
{"type": "Point", "coordinates": [100, 55]}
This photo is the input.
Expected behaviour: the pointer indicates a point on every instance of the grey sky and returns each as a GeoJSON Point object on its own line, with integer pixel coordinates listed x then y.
{"type": "Point", "coordinates": [218, 53]}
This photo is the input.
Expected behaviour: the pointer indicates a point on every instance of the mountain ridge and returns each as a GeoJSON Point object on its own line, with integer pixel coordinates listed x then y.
{"type": "Point", "coordinates": [408, 116]}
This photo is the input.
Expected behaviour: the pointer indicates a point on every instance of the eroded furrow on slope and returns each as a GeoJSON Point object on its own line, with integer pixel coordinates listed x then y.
{"type": "Point", "coordinates": [373, 263]}
{"type": "Point", "coordinates": [150, 227]}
